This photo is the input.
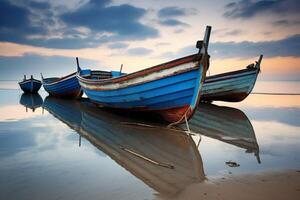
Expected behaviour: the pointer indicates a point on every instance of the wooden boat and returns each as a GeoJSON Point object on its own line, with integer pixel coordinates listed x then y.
{"type": "Point", "coordinates": [166, 160]}
{"type": "Point", "coordinates": [171, 89]}
{"type": "Point", "coordinates": [232, 86]}
{"type": "Point", "coordinates": [67, 86]}
{"type": "Point", "coordinates": [226, 124]}
{"type": "Point", "coordinates": [31, 101]}
{"type": "Point", "coordinates": [30, 85]}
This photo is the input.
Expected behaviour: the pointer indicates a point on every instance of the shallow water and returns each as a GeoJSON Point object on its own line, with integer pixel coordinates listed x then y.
{"type": "Point", "coordinates": [73, 150]}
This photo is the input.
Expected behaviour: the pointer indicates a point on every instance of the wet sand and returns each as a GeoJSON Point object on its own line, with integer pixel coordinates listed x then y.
{"type": "Point", "coordinates": [263, 185]}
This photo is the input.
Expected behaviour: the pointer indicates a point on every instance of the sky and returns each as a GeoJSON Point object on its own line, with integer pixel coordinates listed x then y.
{"type": "Point", "coordinates": [38, 36]}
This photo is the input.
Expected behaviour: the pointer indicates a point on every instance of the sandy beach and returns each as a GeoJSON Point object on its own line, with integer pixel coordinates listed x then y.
{"type": "Point", "coordinates": [263, 185]}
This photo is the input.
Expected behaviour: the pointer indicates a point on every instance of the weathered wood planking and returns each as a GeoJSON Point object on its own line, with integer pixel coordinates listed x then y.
{"type": "Point", "coordinates": [171, 89]}
{"type": "Point", "coordinates": [233, 86]}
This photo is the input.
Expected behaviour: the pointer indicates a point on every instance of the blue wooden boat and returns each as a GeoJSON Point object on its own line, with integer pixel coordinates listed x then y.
{"type": "Point", "coordinates": [67, 86]}
{"type": "Point", "coordinates": [171, 89]}
{"type": "Point", "coordinates": [232, 86]}
{"type": "Point", "coordinates": [30, 85]}
{"type": "Point", "coordinates": [31, 101]}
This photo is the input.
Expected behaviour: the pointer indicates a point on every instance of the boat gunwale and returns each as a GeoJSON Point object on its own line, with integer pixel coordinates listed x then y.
{"type": "Point", "coordinates": [29, 80]}
{"type": "Point", "coordinates": [144, 82]}
{"type": "Point", "coordinates": [143, 72]}
{"type": "Point", "coordinates": [58, 80]}
{"type": "Point", "coordinates": [231, 73]}
{"type": "Point", "coordinates": [229, 78]}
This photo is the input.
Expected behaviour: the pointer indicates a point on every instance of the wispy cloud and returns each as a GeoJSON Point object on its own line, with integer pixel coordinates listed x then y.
{"type": "Point", "coordinates": [168, 16]}
{"type": "Point", "coordinates": [172, 22]}
{"type": "Point", "coordinates": [250, 8]}
{"type": "Point", "coordinates": [172, 12]}
{"type": "Point", "coordinates": [139, 51]}
{"type": "Point", "coordinates": [286, 23]}
{"type": "Point", "coordinates": [289, 46]}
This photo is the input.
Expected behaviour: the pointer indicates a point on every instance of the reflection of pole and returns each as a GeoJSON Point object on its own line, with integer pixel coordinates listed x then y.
{"type": "Point", "coordinates": [26, 109]}
{"type": "Point", "coordinates": [199, 141]}
{"type": "Point", "coordinates": [79, 140]}
{"type": "Point", "coordinates": [257, 156]}
{"type": "Point", "coordinates": [42, 110]}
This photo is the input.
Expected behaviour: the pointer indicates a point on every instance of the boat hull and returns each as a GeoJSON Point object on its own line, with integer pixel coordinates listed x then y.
{"type": "Point", "coordinates": [67, 87]}
{"type": "Point", "coordinates": [232, 87]}
{"type": "Point", "coordinates": [30, 86]}
{"type": "Point", "coordinates": [171, 92]}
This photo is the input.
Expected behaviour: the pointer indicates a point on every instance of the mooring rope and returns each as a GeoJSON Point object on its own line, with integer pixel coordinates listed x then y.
{"type": "Point", "coordinates": [274, 93]}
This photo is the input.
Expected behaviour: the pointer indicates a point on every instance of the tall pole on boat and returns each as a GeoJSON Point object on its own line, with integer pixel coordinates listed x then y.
{"type": "Point", "coordinates": [206, 39]}
{"type": "Point", "coordinates": [259, 61]}
{"type": "Point", "coordinates": [78, 67]}
{"type": "Point", "coordinates": [121, 69]}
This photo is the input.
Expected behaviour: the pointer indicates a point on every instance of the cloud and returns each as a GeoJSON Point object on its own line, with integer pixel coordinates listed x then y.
{"type": "Point", "coordinates": [15, 23]}
{"type": "Point", "coordinates": [172, 12]}
{"type": "Point", "coordinates": [289, 46]}
{"type": "Point", "coordinates": [168, 16]}
{"type": "Point", "coordinates": [122, 20]}
{"type": "Point", "coordinates": [228, 32]}
{"type": "Point", "coordinates": [139, 51]}
{"type": "Point", "coordinates": [172, 22]}
{"type": "Point", "coordinates": [117, 45]}
{"type": "Point", "coordinates": [43, 24]}
{"type": "Point", "coordinates": [286, 23]}
{"type": "Point", "coordinates": [249, 8]}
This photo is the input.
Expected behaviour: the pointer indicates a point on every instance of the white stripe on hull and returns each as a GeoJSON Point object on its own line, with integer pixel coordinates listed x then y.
{"type": "Point", "coordinates": [231, 76]}
{"type": "Point", "coordinates": [27, 81]}
{"type": "Point", "coordinates": [56, 82]}
{"type": "Point", "coordinates": [236, 84]}
{"type": "Point", "coordinates": [139, 80]}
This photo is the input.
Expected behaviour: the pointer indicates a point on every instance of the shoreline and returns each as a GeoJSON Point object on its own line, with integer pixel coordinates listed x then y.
{"type": "Point", "coordinates": [259, 186]}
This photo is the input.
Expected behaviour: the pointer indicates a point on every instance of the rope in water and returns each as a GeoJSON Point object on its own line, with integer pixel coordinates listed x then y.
{"type": "Point", "coordinates": [266, 93]}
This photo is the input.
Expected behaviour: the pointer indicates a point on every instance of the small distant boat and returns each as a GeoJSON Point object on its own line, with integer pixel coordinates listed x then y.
{"type": "Point", "coordinates": [232, 86]}
{"type": "Point", "coordinates": [67, 86]}
{"type": "Point", "coordinates": [226, 124]}
{"type": "Point", "coordinates": [31, 101]}
{"type": "Point", "coordinates": [170, 89]}
{"type": "Point", "coordinates": [30, 85]}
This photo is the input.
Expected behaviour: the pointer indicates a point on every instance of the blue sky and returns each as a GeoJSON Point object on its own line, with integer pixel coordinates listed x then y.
{"type": "Point", "coordinates": [45, 36]}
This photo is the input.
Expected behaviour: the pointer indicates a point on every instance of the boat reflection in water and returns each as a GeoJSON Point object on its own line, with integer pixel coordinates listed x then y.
{"type": "Point", "coordinates": [226, 124]}
{"type": "Point", "coordinates": [66, 110]}
{"type": "Point", "coordinates": [167, 160]}
{"type": "Point", "coordinates": [31, 101]}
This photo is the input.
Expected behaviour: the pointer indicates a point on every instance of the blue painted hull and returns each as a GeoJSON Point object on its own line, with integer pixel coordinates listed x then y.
{"type": "Point", "coordinates": [31, 101]}
{"type": "Point", "coordinates": [165, 93]}
{"type": "Point", "coordinates": [171, 89]}
{"type": "Point", "coordinates": [64, 87]}
{"type": "Point", "coordinates": [30, 86]}
{"type": "Point", "coordinates": [231, 86]}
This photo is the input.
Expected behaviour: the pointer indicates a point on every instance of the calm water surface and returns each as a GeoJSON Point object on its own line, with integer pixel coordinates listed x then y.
{"type": "Point", "coordinates": [73, 150]}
